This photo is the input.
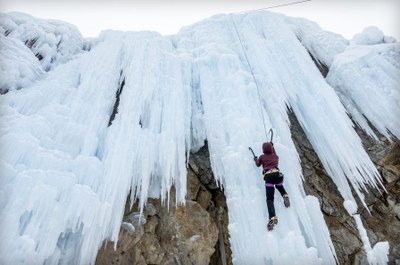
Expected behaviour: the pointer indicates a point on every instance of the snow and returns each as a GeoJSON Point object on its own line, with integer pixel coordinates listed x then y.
{"type": "Point", "coordinates": [55, 41]}
{"type": "Point", "coordinates": [25, 39]}
{"type": "Point", "coordinates": [365, 76]}
{"type": "Point", "coordinates": [350, 206]}
{"type": "Point", "coordinates": [68, 164]}
{"type": "Point", "coordinates": [18, 66]}
{"type": "Point", "coordinates": [136, 219]}
{"type": "Point", "coordinates": [128, 227]}
{"type": "Point", "coordinates": [321, 44]}
{"type": "Point", "coordinates": [370, 36]}
{"type": "Point", "coordinates": [379, 253]}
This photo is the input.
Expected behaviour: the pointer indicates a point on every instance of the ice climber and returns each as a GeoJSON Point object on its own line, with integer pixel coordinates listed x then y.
{"type": "Point", "coordinates": [273, 178]}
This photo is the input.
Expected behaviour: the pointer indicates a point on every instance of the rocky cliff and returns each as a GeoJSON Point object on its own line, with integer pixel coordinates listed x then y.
{"type": "Point", "coordinates": [382, 222]}
{"type": "Point", "coordinates": [194, 233]}
{"type": "Point", "coordinates": [197, 233]}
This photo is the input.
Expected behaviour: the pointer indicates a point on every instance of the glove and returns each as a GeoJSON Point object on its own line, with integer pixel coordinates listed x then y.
{"type": "Point", "coordinates": [255, 159]}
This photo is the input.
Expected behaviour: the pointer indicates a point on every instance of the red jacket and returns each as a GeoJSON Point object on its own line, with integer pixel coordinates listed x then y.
{"type": "Point", "coordinates": [269, 159]}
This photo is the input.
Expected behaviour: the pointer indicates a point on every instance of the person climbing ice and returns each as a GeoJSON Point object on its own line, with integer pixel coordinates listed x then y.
{"type": "Point", "coordinates": [273, 178]}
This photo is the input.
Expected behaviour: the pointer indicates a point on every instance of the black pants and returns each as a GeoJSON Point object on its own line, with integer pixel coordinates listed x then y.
{"type": "Point", "coordinates": [272, 181]}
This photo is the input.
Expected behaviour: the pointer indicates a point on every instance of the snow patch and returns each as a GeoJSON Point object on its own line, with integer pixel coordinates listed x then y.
{"type": "Point", "coordinates": [350, 206]}
{"type": "Point", "coordinates": [369, 36]}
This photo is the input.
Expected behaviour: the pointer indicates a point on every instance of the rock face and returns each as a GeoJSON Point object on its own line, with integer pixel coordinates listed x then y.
{"type": "Point", "coordinates": [383, 221]}
{"type": "Point", "coordinates": [195, 233]}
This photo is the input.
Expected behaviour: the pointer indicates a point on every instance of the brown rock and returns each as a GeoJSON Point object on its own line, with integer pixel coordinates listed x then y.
{"type": "Point", "coordinates": [178, 235]}
{"type": "Point", "coordinates": [203, 198]}
{"type": "Point", "coordinates": [382, 222]}
{"type": "Point", "coordinates": [189, 232]}
{"type": "Point", "coordinates": [193, 185]}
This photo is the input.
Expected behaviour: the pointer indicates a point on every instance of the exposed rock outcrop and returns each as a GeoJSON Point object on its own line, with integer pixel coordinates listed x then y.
{"type": "Point", "coordinates": [179, 235]}
{"type": "Point", "coordinates": [194, 233]}
{"type": "Point", "coordinates": [382, 223]}
{"type": "Point", "coordinates": [197, 232]}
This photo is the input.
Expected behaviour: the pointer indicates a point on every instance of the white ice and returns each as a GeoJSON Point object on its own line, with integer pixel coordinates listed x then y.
{"type": "Point", "coordinates": [67, 166]}
{"type": "Point", "coordinates": [364, 76]}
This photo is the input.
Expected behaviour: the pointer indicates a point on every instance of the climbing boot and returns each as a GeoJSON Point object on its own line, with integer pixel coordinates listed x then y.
{"type": "Point", "coordinates": [286, 200]}
{"type": "Point", "coordinates": [272, 222]}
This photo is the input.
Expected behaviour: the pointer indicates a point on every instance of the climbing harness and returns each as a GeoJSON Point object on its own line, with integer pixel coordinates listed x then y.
{"type": "Point", "coordinates": [271, 171]}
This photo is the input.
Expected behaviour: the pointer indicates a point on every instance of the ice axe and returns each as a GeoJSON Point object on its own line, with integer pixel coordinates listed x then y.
{"type": "Point", "coordinates": [254, 156]}
{"type": "Point", "coordinates": [272, 137]}
{"type": "Point", "coordinates": [272, 134]}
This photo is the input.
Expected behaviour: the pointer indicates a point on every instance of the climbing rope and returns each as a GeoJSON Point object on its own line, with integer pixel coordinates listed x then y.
{"type": "Point", "coordinates": [252, 73]}
{"type": "Point", "coordinates": [276, 6]}
{"type": "Point", "coordinates": [247, 59]}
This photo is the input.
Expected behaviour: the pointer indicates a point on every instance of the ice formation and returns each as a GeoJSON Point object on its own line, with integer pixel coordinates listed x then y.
{"type": "Point", "coordinates": [95, 119]}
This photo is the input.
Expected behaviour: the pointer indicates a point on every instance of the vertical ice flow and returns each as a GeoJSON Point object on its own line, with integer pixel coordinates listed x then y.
{"type": "Point", "coordinates": [68, 164]}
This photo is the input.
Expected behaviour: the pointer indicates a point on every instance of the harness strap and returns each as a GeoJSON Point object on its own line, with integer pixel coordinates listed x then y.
{"type": "Point", "coordinates": [270, 171]}
{"type": "Point", "coordinates": [270, 185]}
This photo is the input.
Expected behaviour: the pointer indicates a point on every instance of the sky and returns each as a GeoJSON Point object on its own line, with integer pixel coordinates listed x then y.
{"type": "Point", "coordinates": [346, 17]}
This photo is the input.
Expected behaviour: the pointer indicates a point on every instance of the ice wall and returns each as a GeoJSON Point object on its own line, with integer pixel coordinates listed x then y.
{"type": "Point", "coordinates": [66, 171]}
{"type": "Point", "coordinates": [29, 47]}
{"type": "Point", "coordinates": [125, 115]}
